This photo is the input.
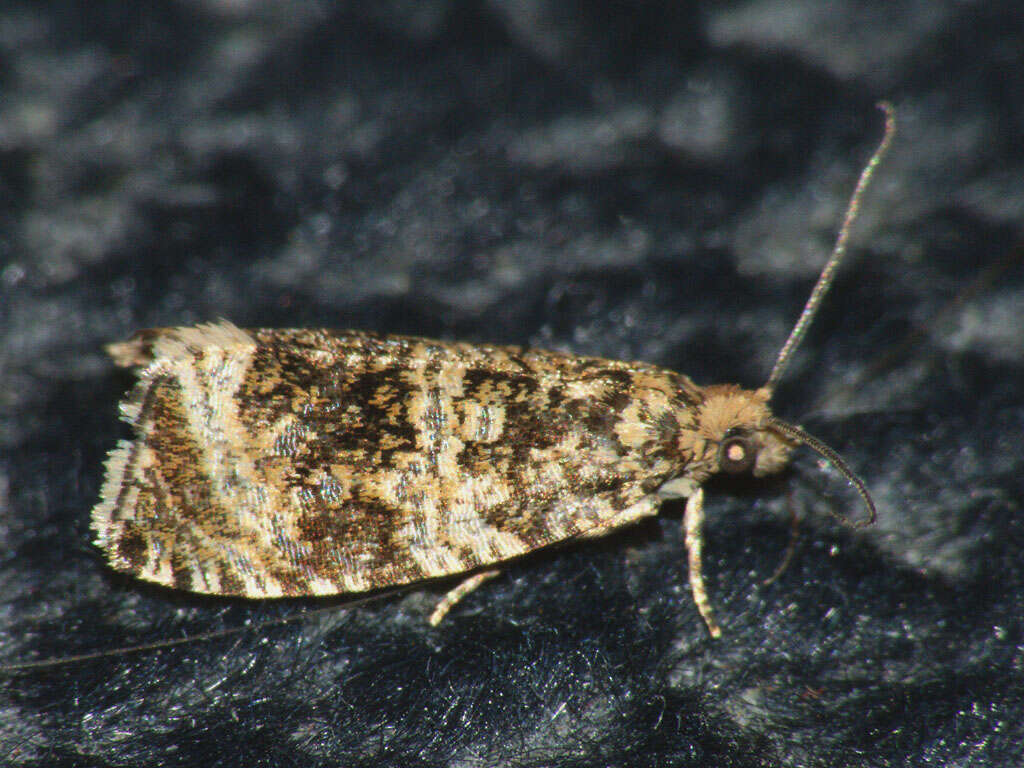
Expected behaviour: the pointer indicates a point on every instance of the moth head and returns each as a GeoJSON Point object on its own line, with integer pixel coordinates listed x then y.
{"type": "Point", "coordinates": [738, 435]}
{"type": "Point", "coordinates": [734, 433]}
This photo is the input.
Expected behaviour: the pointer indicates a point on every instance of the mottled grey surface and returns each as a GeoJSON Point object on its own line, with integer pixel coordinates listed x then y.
{"type": "Point", "coordinates": [655, 181]}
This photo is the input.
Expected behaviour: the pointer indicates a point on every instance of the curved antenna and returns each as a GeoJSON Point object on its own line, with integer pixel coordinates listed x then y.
{"type": "Point", "coordinates": [795, 433]}
{"type": "Point", "coordinates": [838, 252]}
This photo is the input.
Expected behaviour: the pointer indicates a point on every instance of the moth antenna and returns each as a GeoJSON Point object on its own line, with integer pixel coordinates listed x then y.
{"type": "Point", "coordinates": [796, 433]}
{"type": "Point", "coordinates": [216, 634]}
{"type": "Point", "coordinates": [838, 252]}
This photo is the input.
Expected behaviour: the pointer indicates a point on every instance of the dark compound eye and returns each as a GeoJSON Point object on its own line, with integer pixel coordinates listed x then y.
{"type": "Point", "coordinates": [736, 455]}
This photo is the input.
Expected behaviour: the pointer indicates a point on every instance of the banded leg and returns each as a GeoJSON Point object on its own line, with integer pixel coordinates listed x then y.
{"type": "Point", "coordinates": [693, 527]}
{"type": "Point", "coordinates": [459, 591]}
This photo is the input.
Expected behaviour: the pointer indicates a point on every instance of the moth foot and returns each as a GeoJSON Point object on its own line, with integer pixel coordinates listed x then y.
{"type": "Point", "coordinates": [459, 591]}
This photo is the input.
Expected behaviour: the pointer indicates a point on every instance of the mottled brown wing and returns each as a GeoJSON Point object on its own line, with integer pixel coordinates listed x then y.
{"type": "Point", "coordinates": [301, 462]}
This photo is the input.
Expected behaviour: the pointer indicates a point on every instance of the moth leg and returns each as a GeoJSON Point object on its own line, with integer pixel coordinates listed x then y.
{"type": "Point", "coordinates": [693, 525]}
{"type": "Point", "coordinates": [459, 591]}
{"type": "Point", "coordinates": [794, 535]}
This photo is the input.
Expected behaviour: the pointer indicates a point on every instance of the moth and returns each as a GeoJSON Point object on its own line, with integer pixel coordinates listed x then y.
{"type": "Point", "coordinates": [269, 463]}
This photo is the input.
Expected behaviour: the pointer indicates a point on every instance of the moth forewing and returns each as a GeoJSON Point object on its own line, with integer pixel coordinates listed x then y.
{"type": "Point", "coordinates": [289, 462]}
{"type": "Point", "coordinates": [296, 462]}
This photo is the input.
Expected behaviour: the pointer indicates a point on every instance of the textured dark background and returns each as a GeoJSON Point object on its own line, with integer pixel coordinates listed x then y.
{"type": "Point", "coordinates": [641, 180]}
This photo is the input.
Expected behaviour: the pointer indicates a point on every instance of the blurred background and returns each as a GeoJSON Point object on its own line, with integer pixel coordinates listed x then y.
{"type": "Point", "coordinates": [657, 181]}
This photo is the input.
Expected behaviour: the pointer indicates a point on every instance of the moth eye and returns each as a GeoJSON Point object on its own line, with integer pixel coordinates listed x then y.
{"type": "Point", "coordinates": [736, 455]}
